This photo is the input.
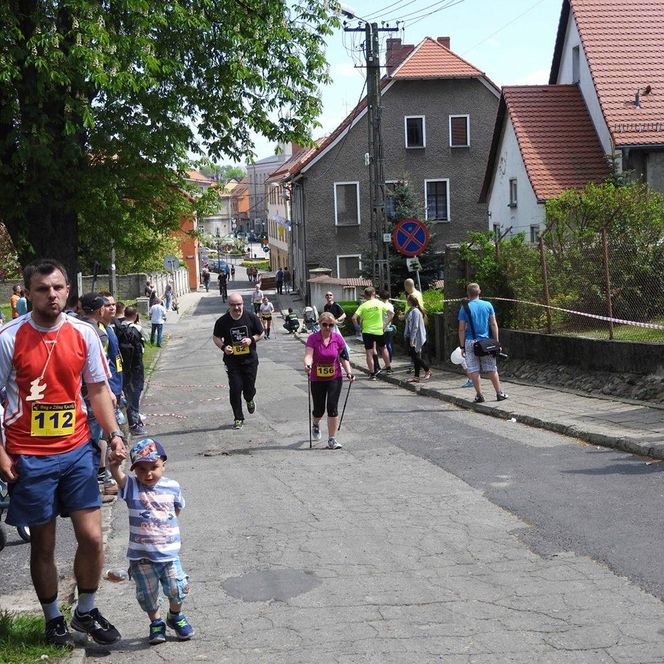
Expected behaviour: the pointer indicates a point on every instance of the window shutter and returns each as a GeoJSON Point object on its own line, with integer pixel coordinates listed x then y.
{"type": "Point", "coordinates": [459, 131]}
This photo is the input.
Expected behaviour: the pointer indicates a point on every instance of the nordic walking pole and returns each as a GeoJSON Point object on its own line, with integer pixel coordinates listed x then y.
{"type": "Point", "coordinates": [309, 394]}
{"type": "Point", "coordinates": [341, 419]}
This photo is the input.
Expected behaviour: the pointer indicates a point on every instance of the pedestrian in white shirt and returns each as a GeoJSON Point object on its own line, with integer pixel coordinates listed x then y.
{"type": "Point", "coordinates": [157, 318]}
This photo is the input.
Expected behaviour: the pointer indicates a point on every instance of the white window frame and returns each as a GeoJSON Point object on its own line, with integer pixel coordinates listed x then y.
{"type": "Point", "coordinates": [513, 193]}
{"type": "Point", "coordinates": [359, 262]}
{"type": "Point", "coordinates": [426, 207]}
{"type": "Point", "coordinates": [390, 182]}
{"type": "Point", "coordinates": [449, 129]}
{"type": "Point", "coordinates": [357, 193]}
{"type": "Point", "coordinates": [405, 131]}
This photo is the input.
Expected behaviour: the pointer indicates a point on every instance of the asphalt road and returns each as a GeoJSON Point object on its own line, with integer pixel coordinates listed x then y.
{"type": "Point", "coordinates": [569, 498]}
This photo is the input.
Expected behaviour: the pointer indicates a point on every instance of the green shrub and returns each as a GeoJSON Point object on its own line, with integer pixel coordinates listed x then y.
{"type": "Point", "coordinates": [263, 265]}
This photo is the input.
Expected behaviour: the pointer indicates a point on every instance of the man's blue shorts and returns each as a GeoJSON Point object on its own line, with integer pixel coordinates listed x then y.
{"type": "Point", "coordinates": [54, 485]}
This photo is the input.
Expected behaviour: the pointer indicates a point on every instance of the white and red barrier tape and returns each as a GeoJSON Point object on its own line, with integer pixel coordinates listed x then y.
{"type": "Point", "coordinates": [175, 415]}
{"type": "Point", "coordinates": [186, 386]}
{"type": "Point", "coordinates": [620, 321]}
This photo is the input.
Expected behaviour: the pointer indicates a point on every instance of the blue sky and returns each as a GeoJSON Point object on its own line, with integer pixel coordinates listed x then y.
{"type": "Point", "coordinates": [510, 40]}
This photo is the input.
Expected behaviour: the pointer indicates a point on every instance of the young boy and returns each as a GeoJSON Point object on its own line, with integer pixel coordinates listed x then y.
{"type": "Point", "coordinates": [154, 502]}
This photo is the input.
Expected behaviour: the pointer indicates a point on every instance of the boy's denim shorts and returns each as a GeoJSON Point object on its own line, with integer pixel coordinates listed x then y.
{"type": "Point", "coordinates": [54, 485]}
{"type": "Point", "coordinates": [148, 575]}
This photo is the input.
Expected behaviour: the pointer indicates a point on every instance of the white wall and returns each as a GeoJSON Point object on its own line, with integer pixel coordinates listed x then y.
{"type": "Point", "coordinates": [573, 39]}
{"type": "Point", "coordinates": [509, 165]}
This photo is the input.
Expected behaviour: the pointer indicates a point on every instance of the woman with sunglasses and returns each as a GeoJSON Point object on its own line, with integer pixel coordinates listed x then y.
{"type": "Point", "coordinates": [324, 358]}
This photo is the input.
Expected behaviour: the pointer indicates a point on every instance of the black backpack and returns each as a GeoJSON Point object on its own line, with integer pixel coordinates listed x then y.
{"type": "Point", "coordinates": [131, 345]}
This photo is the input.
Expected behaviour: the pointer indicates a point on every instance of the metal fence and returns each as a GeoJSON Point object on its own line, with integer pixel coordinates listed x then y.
{"type": "Point", "coordinates": [603, 285]}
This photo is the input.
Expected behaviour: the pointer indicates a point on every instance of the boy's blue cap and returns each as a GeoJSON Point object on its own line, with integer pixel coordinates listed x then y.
{"type": "Point", "coordinates": [146, 450]}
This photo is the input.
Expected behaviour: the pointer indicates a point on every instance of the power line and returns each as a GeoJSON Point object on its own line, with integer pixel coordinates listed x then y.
{"type": "Point", "coordinates": [421, 18]}
{"type": "Point", "coordinates": [516, 18]}
{"type": "Point", "coordinates": [383, 9]}
{"type": "Point", "coordinates": [424, 9]}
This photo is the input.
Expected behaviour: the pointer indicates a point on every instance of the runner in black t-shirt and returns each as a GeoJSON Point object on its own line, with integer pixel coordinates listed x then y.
{"type": "Point", "coordinates": [236, 334]}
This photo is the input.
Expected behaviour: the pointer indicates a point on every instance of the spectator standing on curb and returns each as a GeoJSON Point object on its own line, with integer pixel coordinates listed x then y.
{"type": "Point", "coordinates": [232, 272]}
{"type": "Point", "coordinates": [14, 298]}
{"type": "Point", "coordinates": [157, 319]}
{"type": "Point", "coordinates": [389, 328]}
{"type": "Point", "coordinates": [130, 336]}
{"type": "Point", "coordinates": [49, 460]}
{"type": "Point", "coordinates": [206, 279]}
{"type": "Point", "coordinates": [373, 316]}
{"type": "Point", "coordinates": [287, 280]}
{"type": "Point", "coordinates": [484, 322]}
{"type": "Point", "coordinates": [150, 292]}
{"type": "Point", "coordinates": [168, 294]}
{"type": "Point", "coordinates": [154, 502]}
{"type": "Point", "coordinates": [324, 356]}
{"type": "Point", "coordinates": [415, 336]}
{"type": "Point", "coordinates": [280, 281]}
{"type": "Point", "coordinates": [236, 333]}
{"type": "Point", "coordinates": [22, 303]}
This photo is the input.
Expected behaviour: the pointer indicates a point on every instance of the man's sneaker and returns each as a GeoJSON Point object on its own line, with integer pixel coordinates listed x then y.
{"type": "Point", "coordinates": [468, 383]}
{"type": "Point", "coordinates": [137, 430]}
{"type": "Point", "coordinates": [94, 624]}
{"type": "Point", "coordinates": [315, 432]}
{"type": "Point", "coordinates": [479, 398]}
{"type": "Point", "coordinates": [237, 424]}
{"type": "Point", "coordinates": [501, 396]}
{"type": "Point", "coordinates": [427, 375]}
{"type": "Point", "coordinates": [57, 634]}
{"type": "Point", "coordinates": [389, 370]}
{"type": "Point", "coordinates": [251, 406]}
{"type": "Point", "coordinates": [181, 626]}
{"type": "Point", "coordinates": [332, 444]}
{"type": "Point", "coordinates": [372, 376]}
{"type": "Point", "coordinates": [157, 632]}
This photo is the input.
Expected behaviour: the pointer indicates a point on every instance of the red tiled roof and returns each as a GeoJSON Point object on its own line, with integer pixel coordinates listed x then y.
{"type": "Point", "coordinates": [556, 136]}
{"type": "Point", "coordinates": [557, 140]}
{"type": "Point", "coordinates": [624, 43]}
{"type": "Point", "coordinates": [430, 59]}
{"type": "Point", "coordinates": [195, 176]}
{"type": "Point", "coordinates": [292, 163]}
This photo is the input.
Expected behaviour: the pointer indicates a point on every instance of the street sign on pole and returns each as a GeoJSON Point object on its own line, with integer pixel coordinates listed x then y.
{"type": "Point", "coordinates": [410, 237]}
{"type": "Point", "coordinates": [171, 263]}
{"type": "Point", "coordinates": [413, 264]}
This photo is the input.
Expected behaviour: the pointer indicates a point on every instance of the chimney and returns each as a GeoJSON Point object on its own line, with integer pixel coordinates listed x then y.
{"type": "Point", "coordinates": [444, 41]}
{"type": "Point", "coordinates": [396, 53]}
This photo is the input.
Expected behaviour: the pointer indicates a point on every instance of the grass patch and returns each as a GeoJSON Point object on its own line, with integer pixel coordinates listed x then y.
{"type": "Point", "coordinates": [22, 639]}
{"type": "Point", "coordinates": [150, 356]}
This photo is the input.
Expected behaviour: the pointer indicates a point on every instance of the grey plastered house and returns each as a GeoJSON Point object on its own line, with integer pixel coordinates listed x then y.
{"type": "Point", "coordinates": [438, 113]}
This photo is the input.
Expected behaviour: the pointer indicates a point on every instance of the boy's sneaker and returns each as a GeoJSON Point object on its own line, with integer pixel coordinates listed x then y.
{"type": "Point", "coordinates": [101, 475]}
{"type": "Point", "coordinates": [389, 370]}
{"type": "Point", "coordinates": [479, 398]}
{"type": "Point", "coordinates": [332, 444]}
{"type": "Point", "coordinates": [157, 632]}
{"type": "Point", "coordinates": [501, 396]}
{"type": "Point", "coordinates": [427, 375]}
{"type": "Point", "coordinates": [57, 634]}
{"type": "Point", "coordinates": [468, 383]}
{"type": "Point", "coordinates": [315, 432]}
{"type": "Point", "coordinates": [94, 624]}
{"type": "Point", "coordinates": [251, 406]}
{"type": "Point", "coordinates": [237, 424]}
{"type": "Point", "coordinates": [372, 376]}
{"type": "Point", "coordinates": [137, 430]}
{"type": "Point", "coordinates": [181, 626]}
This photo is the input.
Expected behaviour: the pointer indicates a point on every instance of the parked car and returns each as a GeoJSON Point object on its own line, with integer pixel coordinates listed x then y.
{"type": "Point", "coordinates": [219, 264]}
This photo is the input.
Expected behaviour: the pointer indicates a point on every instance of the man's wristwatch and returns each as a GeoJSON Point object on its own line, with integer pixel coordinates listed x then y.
{"type": "Point", "coordinates": [116, 434]}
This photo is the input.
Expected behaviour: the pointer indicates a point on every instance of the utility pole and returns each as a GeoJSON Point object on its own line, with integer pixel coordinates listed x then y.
{"type": "Point", "coordinates": [379, 251]}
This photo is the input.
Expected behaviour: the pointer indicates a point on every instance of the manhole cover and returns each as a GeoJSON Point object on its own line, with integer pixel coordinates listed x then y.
{"type": "Point", "coordinates": [264, 585]}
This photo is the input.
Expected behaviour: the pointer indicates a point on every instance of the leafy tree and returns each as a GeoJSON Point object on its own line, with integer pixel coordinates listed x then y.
{"type": "Point", "coordinates": [9, 267]}
{"type": "Point", "coordinates": [103, 101]}
{"type": "Point", "coordinates": [222, 173]}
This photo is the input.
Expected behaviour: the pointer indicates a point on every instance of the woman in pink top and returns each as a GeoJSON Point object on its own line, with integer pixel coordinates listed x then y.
{"type": "Point", "coordinates": [324, 357]}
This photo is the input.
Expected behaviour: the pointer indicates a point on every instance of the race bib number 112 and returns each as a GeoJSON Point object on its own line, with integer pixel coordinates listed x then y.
{"type": "Point", "coordinates": [53, 419]}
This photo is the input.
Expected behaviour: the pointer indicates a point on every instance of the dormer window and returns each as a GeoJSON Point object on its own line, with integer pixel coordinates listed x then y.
{"type": "Point", "coordinates": [415, 128]}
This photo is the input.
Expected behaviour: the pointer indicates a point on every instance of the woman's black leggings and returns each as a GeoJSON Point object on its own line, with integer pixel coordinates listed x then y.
{"type": "Point", "coordinates": [322, 390]}
{"type": "Point", "coordinates": [418, 361]}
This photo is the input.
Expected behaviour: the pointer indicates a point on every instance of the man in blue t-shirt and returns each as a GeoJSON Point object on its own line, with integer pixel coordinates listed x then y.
{"type": "Point", "coordinates": [485, 325]}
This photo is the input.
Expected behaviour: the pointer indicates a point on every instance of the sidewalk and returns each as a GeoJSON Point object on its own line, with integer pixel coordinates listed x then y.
{"type": "Point", "coordinates": [631, 426]}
